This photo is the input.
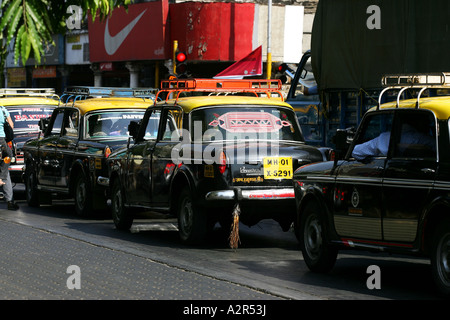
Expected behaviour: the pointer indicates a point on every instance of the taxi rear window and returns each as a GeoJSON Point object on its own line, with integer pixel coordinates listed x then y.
{"type": "Point", "coordinates": [27, 117]}
{"type": "Point", "coordinates": [258, 122]}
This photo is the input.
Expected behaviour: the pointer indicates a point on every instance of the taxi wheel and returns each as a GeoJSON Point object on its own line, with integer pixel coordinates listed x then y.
{"type": "Point", "coordinates": [83, 196]}
{"type": "Point", "coordinates": [440, 257]}
{"type": "Point", "coordinates": [121, 216]}
{"type": "Point", "coordinates": [31, 192]}
{"type": "Point", "coordinates": [318, 255]}
{"type": "Point", "coordinates": [192, 224]}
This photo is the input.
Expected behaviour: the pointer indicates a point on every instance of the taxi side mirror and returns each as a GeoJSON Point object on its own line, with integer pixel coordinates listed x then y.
{"type": "Point", "coordinates": [43, 124]}
{"type": "Point", "coordinates": [342, 141]}
{"type": "Point", "coordinates": [133, 129]}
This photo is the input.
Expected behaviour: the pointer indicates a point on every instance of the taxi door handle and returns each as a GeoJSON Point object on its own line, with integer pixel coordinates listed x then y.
{"type": "Point", "coordinates": [427, 170]}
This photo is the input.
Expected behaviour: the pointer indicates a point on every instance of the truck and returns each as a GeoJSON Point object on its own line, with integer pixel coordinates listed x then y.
{"type": "Point", "coordinates": [354, 44]}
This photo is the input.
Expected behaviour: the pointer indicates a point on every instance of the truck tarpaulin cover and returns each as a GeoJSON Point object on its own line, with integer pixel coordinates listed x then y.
{"type": "Point", "coordinates": [349, 53]}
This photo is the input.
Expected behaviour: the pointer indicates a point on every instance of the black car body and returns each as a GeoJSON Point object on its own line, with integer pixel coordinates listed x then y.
{"type": "Point", "coordinates": [70, 155]}
{"type": "Point", "coordinates": [396, 202]}
{"type": "Point", "coordinates": [183, 161]}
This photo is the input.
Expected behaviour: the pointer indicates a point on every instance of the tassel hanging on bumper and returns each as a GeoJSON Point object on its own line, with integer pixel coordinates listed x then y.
{"type": "Point", "coordinates": [234, 235]}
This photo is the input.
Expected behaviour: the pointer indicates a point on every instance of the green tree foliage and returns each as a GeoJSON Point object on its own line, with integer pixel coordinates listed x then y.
{"type": "Point", "coordinates": [33, 22]}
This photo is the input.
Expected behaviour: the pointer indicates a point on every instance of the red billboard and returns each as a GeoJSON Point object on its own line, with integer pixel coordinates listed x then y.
{"type": "Point", "coordinates": [215, 31]}
{"type": "Point", "coordinates": [138, 33]}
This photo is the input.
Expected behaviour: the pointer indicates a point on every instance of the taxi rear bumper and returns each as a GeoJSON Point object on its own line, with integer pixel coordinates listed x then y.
{"type": "Point", "coordinates": [260, 194]}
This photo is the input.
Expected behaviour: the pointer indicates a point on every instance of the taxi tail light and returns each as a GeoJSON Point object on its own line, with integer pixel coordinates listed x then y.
{"type": "Point", "coordinates": [222, 162]}
{"type": "Point", "coordinates": [7, 159]}
{"type": "Point", "coordinates": [107, 152]}
{"type": "Point", "coordinates": [331, 155]}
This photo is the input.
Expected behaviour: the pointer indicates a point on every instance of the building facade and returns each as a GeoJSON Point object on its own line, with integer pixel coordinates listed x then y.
{"type": "Point", "coordinates": [135, 47]}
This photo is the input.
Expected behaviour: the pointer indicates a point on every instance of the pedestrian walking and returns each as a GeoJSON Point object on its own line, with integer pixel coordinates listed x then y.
{"type": "Point", "coordinates": [5, 179]}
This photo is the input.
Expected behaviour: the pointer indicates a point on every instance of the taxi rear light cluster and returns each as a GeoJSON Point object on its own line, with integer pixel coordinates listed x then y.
{"type": "Point", "coordinates": [107, 152]}
{"type": "Point", "coordinates": [331, 155]}
{"type": "Point", "coordinates": [222, 162]}
{"type": "Point", "coordinates": [7, 159]}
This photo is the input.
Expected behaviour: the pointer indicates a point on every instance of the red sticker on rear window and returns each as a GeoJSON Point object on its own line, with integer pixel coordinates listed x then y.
{"type": "Point", "coordinates": [249, 121]}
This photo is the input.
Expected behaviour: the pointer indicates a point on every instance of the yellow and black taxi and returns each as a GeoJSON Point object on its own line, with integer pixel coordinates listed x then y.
{"type": "Point", "coordinates": [26, 107]}
{"type": "Point", "coordinates": [208, 146]}
{"type": "Point", "coordinates": [80, 134]}
{"type": "Point", "coordinates": [390, 190]}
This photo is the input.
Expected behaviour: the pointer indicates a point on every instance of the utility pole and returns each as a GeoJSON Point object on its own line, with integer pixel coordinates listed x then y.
{"type": "Point", "coordinates": [269, 53]}
{"type": "Point", "coordinates": [175, 48]}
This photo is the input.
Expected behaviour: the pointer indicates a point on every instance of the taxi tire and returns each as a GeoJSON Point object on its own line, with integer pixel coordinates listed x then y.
{"type": "Point", "coordinates": [440, 257]}
{"type": "Point", "coordinates": [31, 191]}
{"type": "Point", "coordinates": [192, 222]}
{"type": "Point", "coordinates": [120, 214]}
{"type": "Point", "coordinates": [82, 196]}
{"type": "Point", "coordinates": [319, 256]}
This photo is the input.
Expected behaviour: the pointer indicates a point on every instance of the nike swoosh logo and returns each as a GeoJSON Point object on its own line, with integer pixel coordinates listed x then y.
{"type": "Point", "coordinates": [113, 43]}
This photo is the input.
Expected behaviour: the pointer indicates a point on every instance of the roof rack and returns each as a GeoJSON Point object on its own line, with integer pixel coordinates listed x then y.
{"type": "Point", "coordinates": [422, 81]}
{"type": "Point", "coordinates": [255, 86]}
{"type": "Point", "coordinates": [28, 92]}
{"type": "Point", "coordinates": [83, 92]}
{"type": "Point", "coordinates": [441, 79]}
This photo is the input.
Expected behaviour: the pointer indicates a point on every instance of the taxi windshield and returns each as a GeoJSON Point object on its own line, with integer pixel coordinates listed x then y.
{"type": "Point", "coordinates": [237, 123]}
{"type": "Point", "coordinates": [111, 123]}
{"type": "Point", "coordinates": [27, 117]}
